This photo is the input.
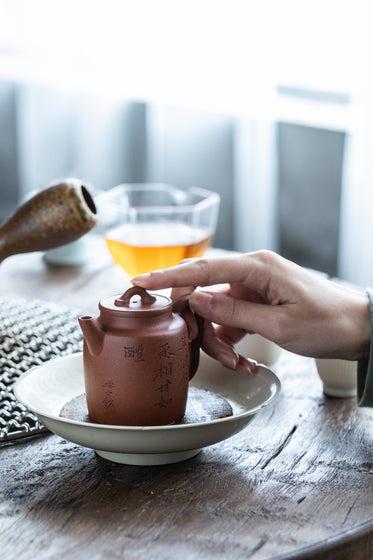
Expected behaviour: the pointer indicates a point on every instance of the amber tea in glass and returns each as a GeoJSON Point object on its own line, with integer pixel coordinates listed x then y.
{"type": "Point", "coordinates": [154, 226]}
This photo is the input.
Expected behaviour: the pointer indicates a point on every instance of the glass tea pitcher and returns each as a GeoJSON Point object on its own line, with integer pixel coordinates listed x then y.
{"type": "Point", "coordinates": [154, 225]}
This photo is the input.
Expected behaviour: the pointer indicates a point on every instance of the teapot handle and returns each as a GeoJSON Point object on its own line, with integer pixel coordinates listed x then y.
{"type": "Point", "coordinates": [195, 329]}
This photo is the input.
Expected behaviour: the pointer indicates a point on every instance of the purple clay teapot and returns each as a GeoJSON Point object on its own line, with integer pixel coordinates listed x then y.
{"type": "Point", "coordinates": [53, 217]}
{"type": "Point", "coordinates": [139, 356]}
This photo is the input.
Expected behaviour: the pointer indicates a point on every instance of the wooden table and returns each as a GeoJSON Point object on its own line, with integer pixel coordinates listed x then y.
{"type": "Point", "coordinates": [296, 483]}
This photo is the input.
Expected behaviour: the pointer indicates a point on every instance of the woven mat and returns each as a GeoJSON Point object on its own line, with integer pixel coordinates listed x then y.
{"type": "Point", "coordinates": [31, 333]}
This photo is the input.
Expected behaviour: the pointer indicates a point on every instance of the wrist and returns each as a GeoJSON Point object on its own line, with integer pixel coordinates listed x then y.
{"type": "Point", "coordinates": [363, 326]}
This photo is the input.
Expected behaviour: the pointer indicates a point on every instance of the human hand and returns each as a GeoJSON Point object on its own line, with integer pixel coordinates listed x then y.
{"type": "Point", "coordinates": [297, 309]}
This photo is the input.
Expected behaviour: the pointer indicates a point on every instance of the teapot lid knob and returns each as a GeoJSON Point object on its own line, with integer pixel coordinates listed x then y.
{"type": "Point", "coordinates": [125, 299]}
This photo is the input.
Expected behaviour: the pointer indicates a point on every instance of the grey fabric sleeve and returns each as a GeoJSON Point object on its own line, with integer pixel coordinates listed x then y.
{"type": "Point", "coordinates": [365, 367]}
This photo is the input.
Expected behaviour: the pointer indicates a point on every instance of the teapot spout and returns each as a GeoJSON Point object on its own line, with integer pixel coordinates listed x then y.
{"type": "Point", "coordinates": [93, 334]}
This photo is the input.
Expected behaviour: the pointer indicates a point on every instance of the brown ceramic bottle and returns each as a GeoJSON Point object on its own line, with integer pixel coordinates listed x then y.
{"type": "Point", "coordinates": [138, 359]}
{"type": "Point", "coordinates": [55, 216]}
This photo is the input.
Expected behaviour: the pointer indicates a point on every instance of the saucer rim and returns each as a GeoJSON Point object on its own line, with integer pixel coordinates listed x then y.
{"type": "Point", "coordinates": [94, 425]}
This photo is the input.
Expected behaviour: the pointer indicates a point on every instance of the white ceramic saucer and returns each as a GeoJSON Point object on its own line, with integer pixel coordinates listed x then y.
{"type": "Point", "coordinates": [46, 389]}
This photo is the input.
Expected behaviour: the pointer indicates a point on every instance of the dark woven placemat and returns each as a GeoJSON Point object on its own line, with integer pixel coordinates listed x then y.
{"type": "Point", "coordinates": [31, 333]}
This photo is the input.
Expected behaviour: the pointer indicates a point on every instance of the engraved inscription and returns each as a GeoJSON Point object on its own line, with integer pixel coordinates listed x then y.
{"type": "Point", "coordinates": [108, 400]}
{"type": "Point", "coordinates": [184, 357]}
{"type": "Point", "coordinates": [164, 387]}
{"type": "Point", "coordinates": [165, 351]}
{"type": "Point", "coordinates": [162, 403]}
{"type": "Point", "coordinates": [135, 353]}
{"type": "Point", "coordinates": [162, 378]}
{"type": "Point", "coordinates": [164, 370]}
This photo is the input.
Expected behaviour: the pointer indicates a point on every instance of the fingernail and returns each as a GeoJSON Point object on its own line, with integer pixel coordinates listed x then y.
{"type": "Point", "coordinates": [200, 301]}
{"type": "Point", "coordinates": [140, 278]}
{"type": "Point", "coordinates": [247, 366]}
{"type": "Point", "coordinates": [228, 360]}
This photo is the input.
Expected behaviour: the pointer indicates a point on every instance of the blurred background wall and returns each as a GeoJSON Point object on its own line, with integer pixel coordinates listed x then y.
{"type": "Point", "coordinates": [270, 107]}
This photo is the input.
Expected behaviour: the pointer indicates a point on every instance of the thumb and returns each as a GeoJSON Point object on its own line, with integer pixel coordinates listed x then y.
{"type": "Point", "coordinates": [231, 312]}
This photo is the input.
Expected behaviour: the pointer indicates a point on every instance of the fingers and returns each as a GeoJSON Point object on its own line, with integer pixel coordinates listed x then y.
{"type": "Point", "coordinates": [178, 293]}
{"type": "Point", "coordinates": [237, 315]}
{"type": "Point", "coordinates": [202, 272]}
{"type": "Point", "coordinates": [218, 349]}
{"type": "Point", "coordinates": [220, 308]}
{"type": "Point", "coordinates": [245, 365]}
{"type": "Point", "coordinates": [224, 352]}
{"type": "Point", "coordinates": [231, 334]}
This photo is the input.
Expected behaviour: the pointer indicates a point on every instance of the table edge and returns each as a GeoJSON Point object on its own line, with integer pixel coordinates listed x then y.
{"type": "Point", "coordinates": [338, 547]}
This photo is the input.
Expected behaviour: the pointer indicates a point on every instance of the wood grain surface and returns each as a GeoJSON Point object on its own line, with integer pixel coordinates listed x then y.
{"type": "Point", "coordinates": [296, 483]}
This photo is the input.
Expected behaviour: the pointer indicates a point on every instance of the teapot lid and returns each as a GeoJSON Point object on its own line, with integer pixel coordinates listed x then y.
{"type": "Point", "coordinates": [136, 301]}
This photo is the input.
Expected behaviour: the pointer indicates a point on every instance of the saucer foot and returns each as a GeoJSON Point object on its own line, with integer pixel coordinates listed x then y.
{"type": "Point", "coordinates": [341, 393]}
{"type": "Point", "coordinates": [148, 459]}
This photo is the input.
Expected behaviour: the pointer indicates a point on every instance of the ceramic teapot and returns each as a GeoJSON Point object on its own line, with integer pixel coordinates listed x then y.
{"type": "Point", "coordinates": [55, 216]}
{"type": "Point", "coordinates": [139, 355]}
